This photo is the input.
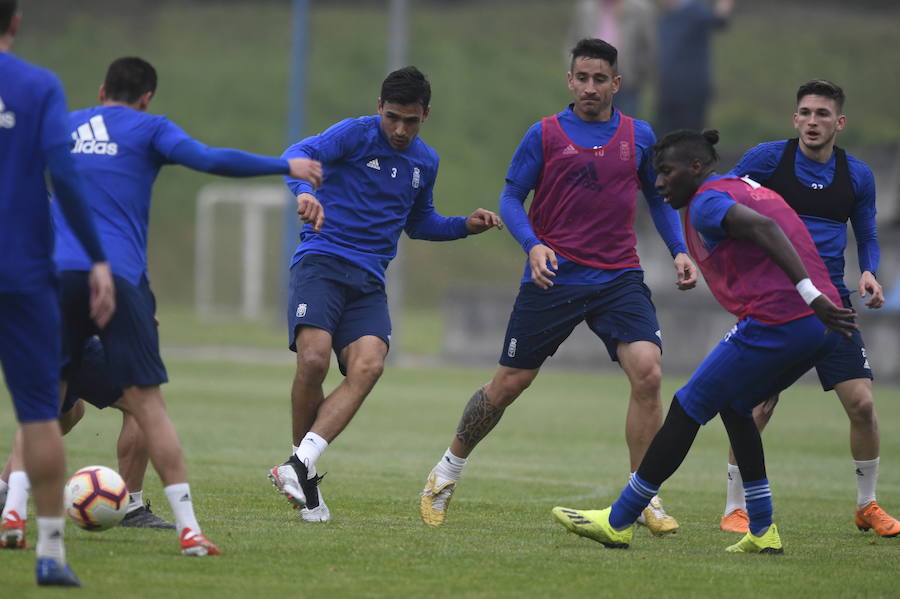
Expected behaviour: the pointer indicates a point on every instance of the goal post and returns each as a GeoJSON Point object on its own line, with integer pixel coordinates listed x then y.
{"type": "Point", "coordinates": [254, 201]}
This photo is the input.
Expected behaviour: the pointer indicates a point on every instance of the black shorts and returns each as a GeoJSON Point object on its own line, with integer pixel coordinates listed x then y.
{"type": "Point", "coordinates": [846, 362]}
{"type": "Point", "coordinates": [92, 381]}
{"type": "Point", "coordinates": [337, 296]}
{"type": "Point", "coordinates": [131, 339]}
{"type": "Point", "coordinates": [618, 311]}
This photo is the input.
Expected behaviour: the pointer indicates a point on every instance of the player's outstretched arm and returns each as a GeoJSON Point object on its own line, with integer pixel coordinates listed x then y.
{"type": "Point", "coordinates": [869, 285]}
{"type": "Point", "coordinates": [481, 220]}
{"type": "Point", "coordinates": [746, 224]}
{"type": "Point", "coordinates": [311, 210]}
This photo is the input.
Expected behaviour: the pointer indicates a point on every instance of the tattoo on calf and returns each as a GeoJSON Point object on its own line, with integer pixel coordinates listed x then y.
{"type": "Point", "coordinates": [479, 417]}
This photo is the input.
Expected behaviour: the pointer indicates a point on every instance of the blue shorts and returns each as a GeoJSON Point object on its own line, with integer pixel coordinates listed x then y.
{"type": "Point", "coordinates": [337, 296]}
{"type": "Point", "coordinates": [30, 352]}
{"type": "Point", "coordinates": [847, 361]}
{"type": "Point", "coordinates": [131, 339]}
{"type": "Point", "coordinates": [618, 311]}
{"type": "Point", "coordinates": [92, 381]}
{"type": "Point", "coordinates": [753, 362]}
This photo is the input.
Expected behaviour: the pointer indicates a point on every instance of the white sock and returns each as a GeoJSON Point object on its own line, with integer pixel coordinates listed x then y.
{"type": "Point", "coordinates": [449, 468]}
{"type": "Point", "coordinates": [309, 451]}
{"type": "Point", "coordinates": [179, 496]}
{"type": "Point", "coordinates": [866, 479]}
{"type": "Point", "coordinates": [734, 500]}
{"type": "Point", "coordinates": [50, 538]}
{"type": "Point", "coordinates": [294, 448]}
{"type": "Point", "coordinates": [17, 496]}
{"type": "Point", "coordinates": [135, 500]}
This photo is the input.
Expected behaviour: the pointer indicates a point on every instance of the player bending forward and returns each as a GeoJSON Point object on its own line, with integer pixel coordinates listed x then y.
{"type": "Point", "coordinates": [761, 264]}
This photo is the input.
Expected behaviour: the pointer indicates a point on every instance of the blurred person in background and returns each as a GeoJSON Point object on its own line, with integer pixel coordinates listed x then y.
{"type": "Point", "coordinates": [630, 26]}
{"type": "Point", "coordinates": [685, 81]}
{"type": "Point", "coordinates": [34, 138]}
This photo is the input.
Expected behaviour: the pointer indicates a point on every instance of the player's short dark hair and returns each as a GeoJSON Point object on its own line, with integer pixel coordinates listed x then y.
{"type": "Point", "coordinates": [822, 87]}
{"type": "Point", "coordinates": [690, 145]}
{"type": "Point", "coordinates": [591, 47]}
{"type": "Point", "coordinates": [8, 9]}
{"type": "Point", "coordinates": [406, 86]}
{"type": "Point", "coordinates": [129, 78]}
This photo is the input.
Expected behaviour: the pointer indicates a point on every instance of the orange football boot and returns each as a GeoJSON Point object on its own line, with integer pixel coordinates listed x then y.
{"type": "Point", "coordinates": [735, 521]}
{"type": "Point", "coordinates": [872, 516]}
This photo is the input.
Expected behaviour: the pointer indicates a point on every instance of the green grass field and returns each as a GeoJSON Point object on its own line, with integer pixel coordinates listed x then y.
{"type": "Point", "coordinates": [562, 444]}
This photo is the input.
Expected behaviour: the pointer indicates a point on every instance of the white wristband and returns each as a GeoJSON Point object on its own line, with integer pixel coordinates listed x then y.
{"type": "Point", "coordinates": [808, 291]}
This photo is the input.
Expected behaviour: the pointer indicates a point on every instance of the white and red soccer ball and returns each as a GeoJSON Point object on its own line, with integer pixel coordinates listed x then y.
{"type": "Point", "coordinates": [96, 498]}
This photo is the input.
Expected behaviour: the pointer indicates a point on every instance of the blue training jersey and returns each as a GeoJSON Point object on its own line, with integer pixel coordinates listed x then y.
{"type": "Point", "coordinates": [32, 123]}
{"type": "Point", "coordinates": [371, 192]}
{"type": "Point", "coordinates": [525, 169]}
{"type": "Point", "coordinates": [119, 151]}
{"type": "Point", "coordinates": [830, 236]}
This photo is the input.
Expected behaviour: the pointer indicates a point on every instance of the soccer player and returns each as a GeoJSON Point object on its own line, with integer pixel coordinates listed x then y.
{"type": "Point", "coordinates": [380, 181]}
{"type": "Point", "coordinates": [91, 384]}
{"type": "Point", "coordinates": [585, 165]}
{"type": "Point", "coordinates": [827, 187]}
{"type": "Point", "coordinates": [34, 138]}
{"type": "Point", "coordinates": [762, 266]}
{"type": "Point", "coordinates": [120, 148]}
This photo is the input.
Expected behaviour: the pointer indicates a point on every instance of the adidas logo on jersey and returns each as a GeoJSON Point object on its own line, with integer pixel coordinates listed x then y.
{"type": "Point", "coordinates": [374, 164]}
{"type": "Point", "coordinates": [569, 151]}
{"type": "Point", "coordinates": [92, 138]}
{"type": "Point", "coordinates": [586, 177]}
{"type": "Point", "coordinates": [7, 118]}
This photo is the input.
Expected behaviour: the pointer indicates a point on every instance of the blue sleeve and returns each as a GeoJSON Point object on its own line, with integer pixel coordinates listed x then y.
{"type": "Point", "coordinates": [225, 161]}
{"type": "Point", "coordinates": [55, 117]}
{"type": "Point", "coordinates": [71, 199]}
{"type": "Point", "coordinates": [528, 159]}
{"type": "Point", "coordinates": [57, 145]}
{"type": "Point", "coordinates": [424, 222]}
{"type": "Point", "coordinates": [513, 215]}
{"type": "Point", "coordinates": [759, 162]}
{"type": "Point", "coordinates": [862, 219]}
{"type": "Point", "coordinates": [665, 219]}
{"type": "Point", "coordinates": [707, 211]}
{"type": "Point", "coordinates": [329, 146]}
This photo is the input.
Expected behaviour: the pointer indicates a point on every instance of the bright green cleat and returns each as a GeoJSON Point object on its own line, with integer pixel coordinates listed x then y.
{"type": "Point", "coordinates": [770, 542]}
{"type": "Point", "coordinates": [593, 524]}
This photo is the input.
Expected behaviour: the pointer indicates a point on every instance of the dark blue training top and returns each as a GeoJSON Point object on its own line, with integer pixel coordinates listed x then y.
{"type": "Point", "coordinates": [684, 55]}
{"type": "Point", "coordinates": [370, 193]}
{"type": "Point", "coordinates": [119, 151]}
{"type": "Point", "coordinates": [760, 162]}
{"type": "Point", "coordinates": [525, 169]}
{"type": "Point", "coordinates": [34, 136]}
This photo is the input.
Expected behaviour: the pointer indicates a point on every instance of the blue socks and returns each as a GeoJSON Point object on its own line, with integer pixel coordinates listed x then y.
{"type": "Point", "coordinates": [632, 500]}
{"type": "Point", "coordinates": [759, 504]}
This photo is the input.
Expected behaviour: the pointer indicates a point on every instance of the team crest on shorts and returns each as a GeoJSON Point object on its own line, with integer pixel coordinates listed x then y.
{"type": "Point", "coordinates": [301, 310]}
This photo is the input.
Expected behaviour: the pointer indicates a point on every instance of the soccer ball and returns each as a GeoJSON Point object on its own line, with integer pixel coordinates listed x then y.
{"type": "Point", "coordinates": [96, 498]}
